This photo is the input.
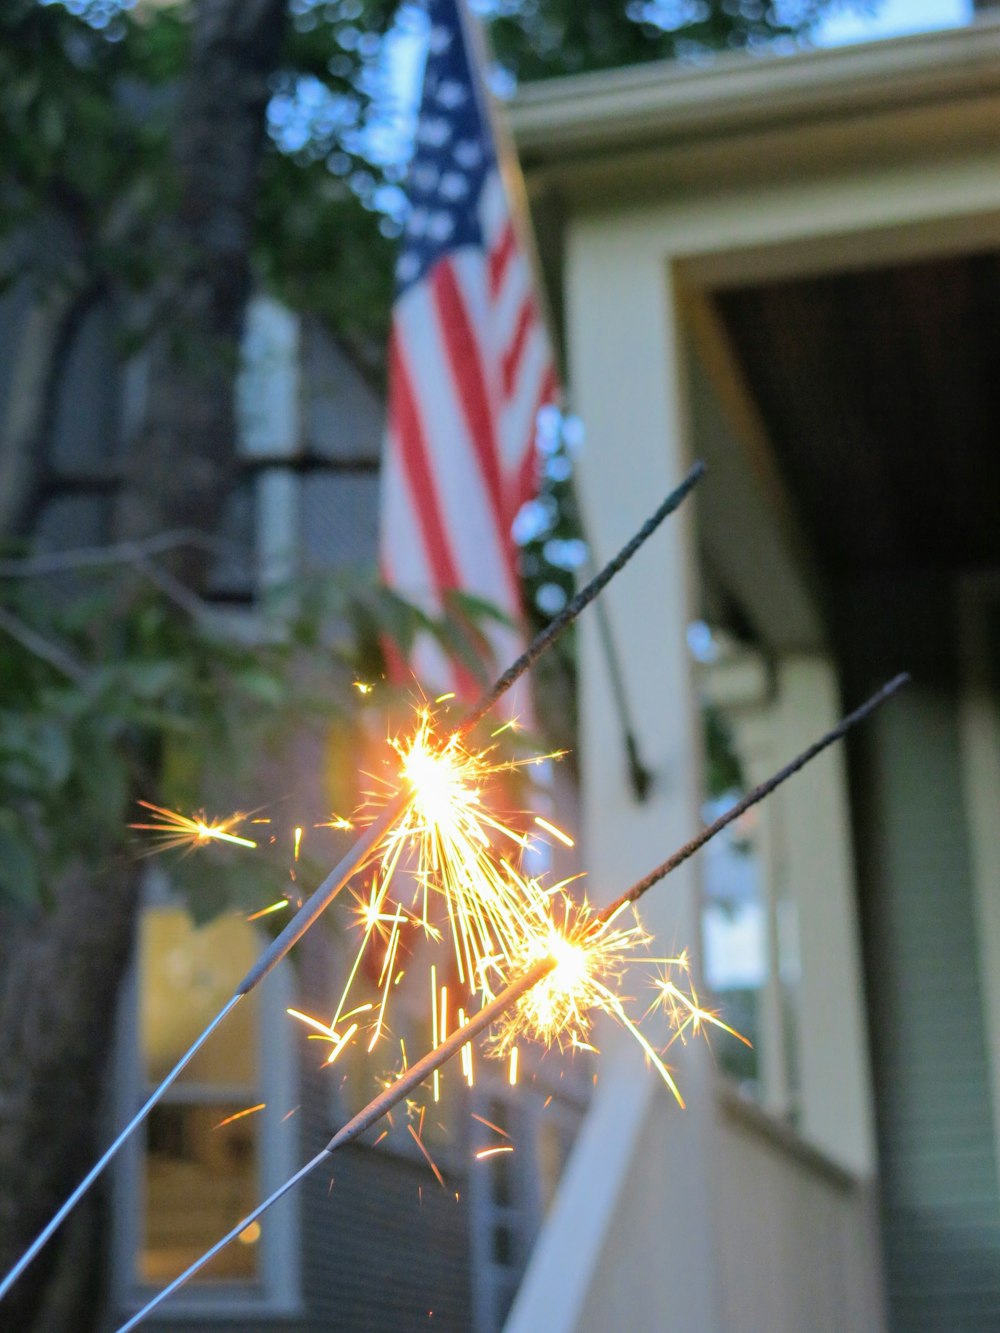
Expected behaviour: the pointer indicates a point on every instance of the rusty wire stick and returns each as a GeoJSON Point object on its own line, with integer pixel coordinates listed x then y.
{"type": "Point", "coordinates": [355, 858]}
{"type": "Point", "coordinates": [416, 1074]}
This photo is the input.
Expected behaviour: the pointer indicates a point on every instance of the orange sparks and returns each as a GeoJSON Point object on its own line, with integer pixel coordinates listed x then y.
{"type": "Point", "coordinates": [564, 838]}
{"type": "Point", "coordinates": [279, 906]}
{"type": "Point", "coordinates": [483, 1153]}
{"type": "Point", "coordinates": [429, 1159]}
{"type": "Point", "coordinates": [336, 822]}
{"type": "Point", "coordinates": [298, 840]}
{"type": "Point", "coordinates": [490, 1125]}
{"type": "Point", "coordinates": [177, 830]}
{"type": "Point", "coordinates": [250, 1110]}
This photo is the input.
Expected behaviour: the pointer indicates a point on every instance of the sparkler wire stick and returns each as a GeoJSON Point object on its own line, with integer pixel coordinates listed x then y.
{"type": "Point", "coordinates": [583, 598]}
{"type": "Point", "coordinates": [441, 1054]}
{"type": "Point", "coordinates": [317, 903]}
{"type": "Point", "coordinates": [756, 795]}
{"type": "Point", "coordinates": [275, 951]}
{"type": "Point", "coordinates": [364, 1119]}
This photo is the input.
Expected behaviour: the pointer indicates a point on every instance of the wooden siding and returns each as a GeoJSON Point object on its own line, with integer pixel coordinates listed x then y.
{"type": "Point", "coordinates": [940, 1203]}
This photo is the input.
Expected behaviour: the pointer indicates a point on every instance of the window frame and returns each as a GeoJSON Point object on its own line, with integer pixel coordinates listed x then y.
{"type": "Point", "coordinates": [277, 1291]}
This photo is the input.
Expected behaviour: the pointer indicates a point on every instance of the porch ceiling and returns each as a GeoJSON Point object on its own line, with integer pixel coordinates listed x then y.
{"type": "Point", "coordinates": [880, 391]}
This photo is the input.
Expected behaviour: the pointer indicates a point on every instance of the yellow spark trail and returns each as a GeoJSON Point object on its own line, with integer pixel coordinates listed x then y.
{"type": "Point", "coordinates": [176, 830]}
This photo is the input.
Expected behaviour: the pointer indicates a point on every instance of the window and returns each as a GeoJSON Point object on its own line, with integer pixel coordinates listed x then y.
{"type": "Point", "coordinates": [221, 1137]}
{"type": "Point", "coordinates": [749, 917]}
{"type": "Point", "coordinates": [511, 1190]}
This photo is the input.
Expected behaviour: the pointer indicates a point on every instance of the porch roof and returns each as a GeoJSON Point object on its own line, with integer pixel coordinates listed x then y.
{"type": "Point", "coordinates": [875, 373]}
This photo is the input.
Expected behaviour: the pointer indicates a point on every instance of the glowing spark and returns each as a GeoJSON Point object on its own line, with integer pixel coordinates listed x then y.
{"type": "Point", "coordinates": [250, 1110]}
{"type": "Point", "coordinates": [250, 1235]}
{"type": "Point", "coordinates": [483, 1153]}
{"type": "Point", "coordinates": [336, 822]}
{"type": "Point", "coordinates": [446, 849]}
{"type": "Point", "coordinates": [564, 838]}
{"type": "Point", "coordinates": [298, 841]}
{"type": "Point", "coordinates": [177, 830]}
{"type": "Point", "coordinates": [279, 906]}
{"type": "Point", "coordinates": [443, 698]}
{"type": "Point", "coordinates": [363, 687]}
{"type": "Point", "coordinates": [490, 1125]}
{"type": "Point", "coordinates": [430, 1160]}
{"type": "Point", "coordinates": [341, 1043]}
{"type": "Point", "coordinates": [513, 1066]}
{"type": "Point", "coordinates": [684, 1011]}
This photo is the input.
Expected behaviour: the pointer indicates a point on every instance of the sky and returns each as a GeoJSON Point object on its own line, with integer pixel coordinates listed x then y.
{"type": "Point", "coordinates": [894, 17]}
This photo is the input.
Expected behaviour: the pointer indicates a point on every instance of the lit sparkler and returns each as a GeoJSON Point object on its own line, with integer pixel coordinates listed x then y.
{"type": "Point", "coordinates": [360, 855]}
{"type": "Point", "coordinates": [189, 831]}
{"type": "Point", "coordinates": [570, 958]}
{"type": "Point", "coordinates": [447, 849]}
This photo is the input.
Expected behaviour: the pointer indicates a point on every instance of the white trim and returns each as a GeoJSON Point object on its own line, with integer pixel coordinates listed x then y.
{"type": "Point", "coordinates": [979, 733]}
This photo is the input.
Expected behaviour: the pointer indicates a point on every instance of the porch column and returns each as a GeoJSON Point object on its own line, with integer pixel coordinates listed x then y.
{"type": "Point", "coordinates": [636, 1182]}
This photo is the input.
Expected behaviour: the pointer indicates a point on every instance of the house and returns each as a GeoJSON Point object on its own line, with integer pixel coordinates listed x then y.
{"type": "Point", "coordinates": [789, 267]}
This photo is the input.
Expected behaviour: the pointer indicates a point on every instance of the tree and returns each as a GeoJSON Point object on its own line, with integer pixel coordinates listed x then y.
{"type": "Point", "coordinates": [537, 39]}
{"type": "Point", "coordinates": [134, 150]}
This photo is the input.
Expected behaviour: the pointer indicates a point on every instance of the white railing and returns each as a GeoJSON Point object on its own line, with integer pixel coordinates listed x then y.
{"type": "Point", "coordinates": [797, 1235]}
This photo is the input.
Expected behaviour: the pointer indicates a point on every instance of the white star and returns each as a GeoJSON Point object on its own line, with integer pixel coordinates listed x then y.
{"type": "Point", "coordinates": [454, 186]}
{"type": "Point", "coordinates": [440, 226]}
{"type": "Point", "coordinates": [425, 177]}
{"type": "Point", "coordinates": [440, 39]}
{"type": "Point", "coordinates": [416, 224]}
{"type": "Point", "coordinates": [407, 266]}
{"type": "Point", "coordinates": [451, 94]}
{"type": "Point", "coordinates": [433, 131]}
{"type": "Point", "coordinates": [468, 153]}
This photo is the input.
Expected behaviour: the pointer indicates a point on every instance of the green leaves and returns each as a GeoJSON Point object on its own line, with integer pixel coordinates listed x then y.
{"type": "Point", "coordinates": [184, 713]}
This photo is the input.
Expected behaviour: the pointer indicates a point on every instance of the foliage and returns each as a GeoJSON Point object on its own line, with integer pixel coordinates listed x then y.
{"type": "Point", "coordinates": [537, 39]}
{"type": "Point", "coordinates": [187, 712]}
{"type": "Point", "coordinates": [90, 94]}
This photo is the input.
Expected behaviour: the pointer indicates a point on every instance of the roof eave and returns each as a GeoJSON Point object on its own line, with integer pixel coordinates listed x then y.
{"type": "Point", "coordinates": [663, 103]}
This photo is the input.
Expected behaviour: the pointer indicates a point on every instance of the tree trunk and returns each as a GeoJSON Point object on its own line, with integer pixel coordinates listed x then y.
{"type": "Point", "coordinates": [59, 976]}
{"type": "Point", "coordinates": [181, 465]}
{"type": "Point", "coordinates": [60, 972]}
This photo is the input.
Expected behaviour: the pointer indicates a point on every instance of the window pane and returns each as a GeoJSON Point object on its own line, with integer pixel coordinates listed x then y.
{"type": "Point", "coordinates": [186, 976]}
{"type": "Point", "coordinates": [200, 1176]}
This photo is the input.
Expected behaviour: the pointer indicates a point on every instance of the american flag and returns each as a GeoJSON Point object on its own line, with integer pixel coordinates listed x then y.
{"type": "Point", "coordinates": [470, 366]}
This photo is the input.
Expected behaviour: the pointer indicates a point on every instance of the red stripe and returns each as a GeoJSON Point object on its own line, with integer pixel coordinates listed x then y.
{"type": "Point", "coordinates": [413, 453]}
{"type": "Point", "coordinates": [416, 466]}
{"type": "Point", "coordinates": [463, 356]}
{"type": "Point", "coordinates": [500, 257]}
{"type": "Point", "coordinates": [526, 321]}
